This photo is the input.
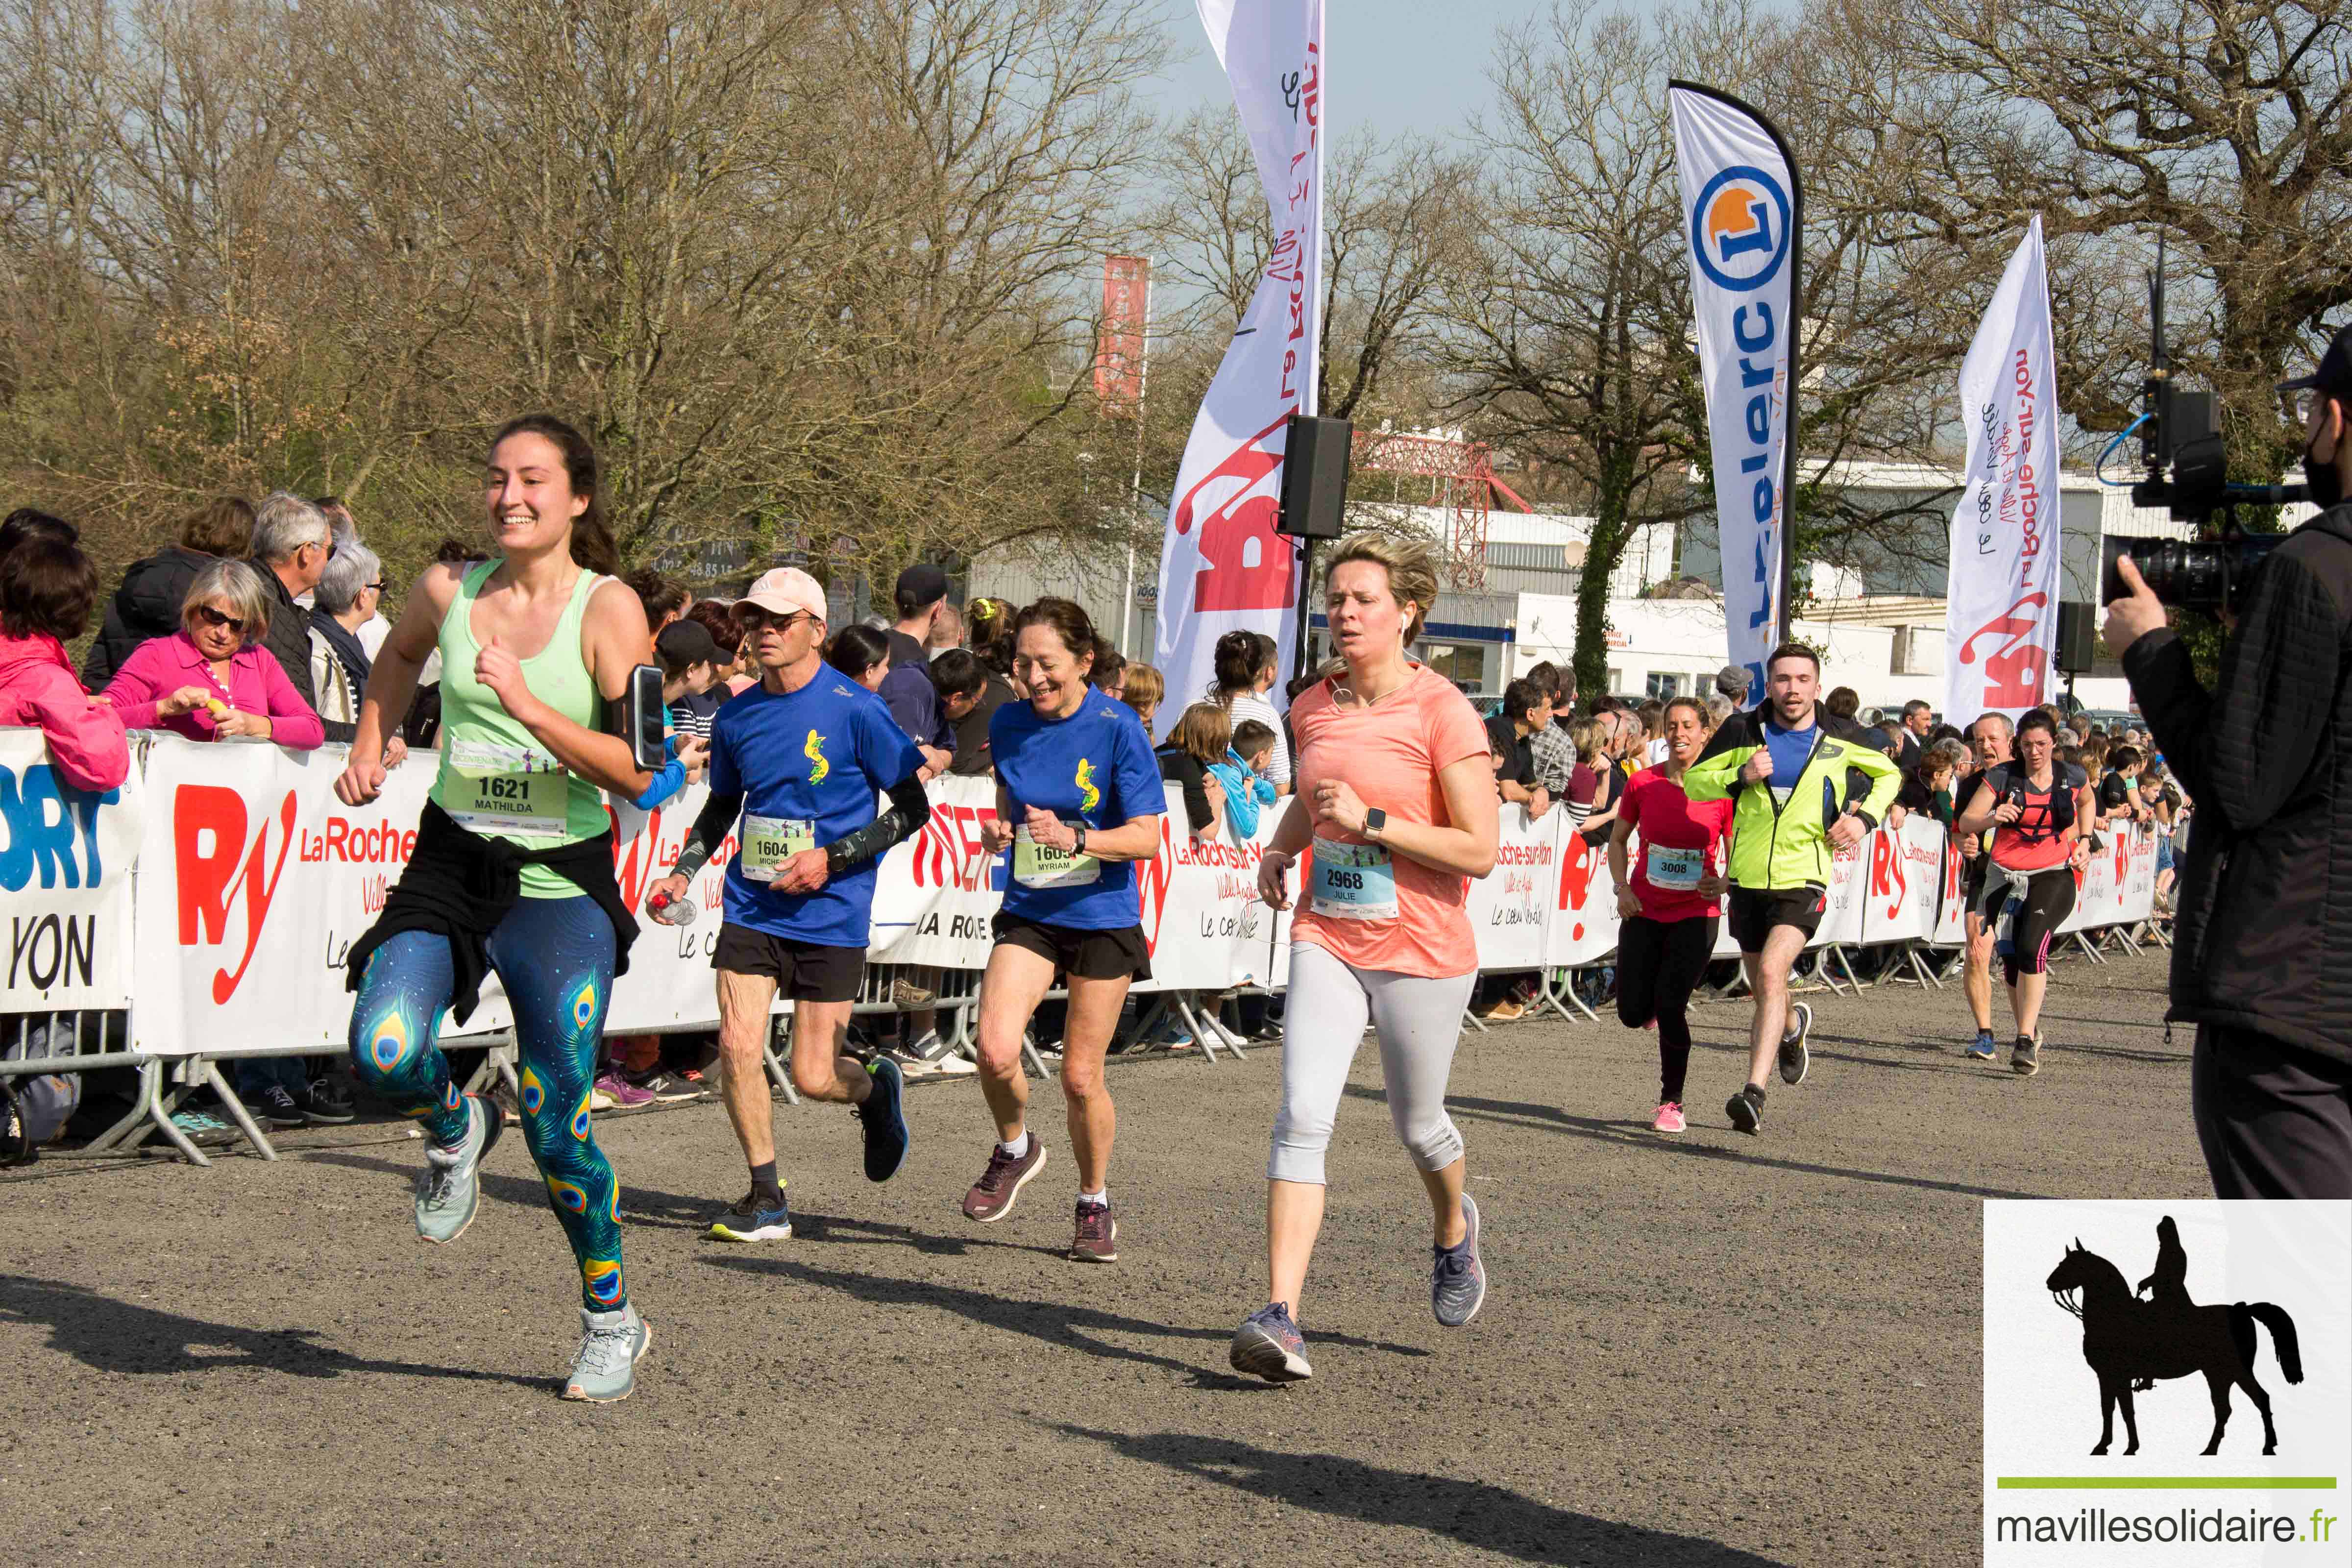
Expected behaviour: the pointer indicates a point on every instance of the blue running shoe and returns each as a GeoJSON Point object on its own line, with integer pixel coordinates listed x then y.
{"type": "Point", "coordinates": [751, 1220]}
{"type": "Point", "coordinates": [1981, 1048]}
{"type": "Point", "coordinates": [885, 1119]}
{"type": "Point", "coordinates": [1458, 1279]}
{"type": "Point", "coordinates": [1270, 1345]}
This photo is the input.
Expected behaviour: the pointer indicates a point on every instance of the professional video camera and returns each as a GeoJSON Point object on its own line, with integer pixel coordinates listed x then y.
{"type": "Point", "coordinates": [2187, 473]}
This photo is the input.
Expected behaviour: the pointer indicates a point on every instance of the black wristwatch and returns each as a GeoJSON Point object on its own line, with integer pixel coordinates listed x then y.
{"type": "Point", "coordinates": [1376, 822]}
{"type": "Point", "coordinates": [1079, 828]}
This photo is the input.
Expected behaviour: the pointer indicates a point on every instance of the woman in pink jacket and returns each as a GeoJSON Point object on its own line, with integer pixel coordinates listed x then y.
{"type": "Point", "coordinates": [213, 678]}
{"type": "Point", "coordinates": [47, 587]}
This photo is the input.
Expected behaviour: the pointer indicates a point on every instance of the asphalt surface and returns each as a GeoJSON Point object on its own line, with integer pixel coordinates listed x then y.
{"type": "Point", "coordinates": [1712, 1350]}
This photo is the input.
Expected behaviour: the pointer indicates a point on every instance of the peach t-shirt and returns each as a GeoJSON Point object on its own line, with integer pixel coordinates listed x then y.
{"type": "Point", "coordinates": [1389, 754]}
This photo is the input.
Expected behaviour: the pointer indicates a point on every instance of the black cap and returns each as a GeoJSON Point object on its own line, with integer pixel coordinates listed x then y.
{"type": "Point", "coordinates": [684, 642]}
{"type": "Point", "coordinates": [2334, 375]}
{"type": "Point", "coordinates": [920, 584]}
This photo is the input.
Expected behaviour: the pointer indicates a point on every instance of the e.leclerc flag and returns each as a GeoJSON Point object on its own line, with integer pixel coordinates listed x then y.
{"type": "Point", "coordinates": [1223, 566]}
{"type": "Point", "coordinates": [1741, 218]}
{"type": "Point", "coordinates": [2001, 613]}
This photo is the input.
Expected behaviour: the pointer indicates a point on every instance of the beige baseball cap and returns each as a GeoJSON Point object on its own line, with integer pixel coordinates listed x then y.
{"type": "Point", "coordinates": [786, 590]}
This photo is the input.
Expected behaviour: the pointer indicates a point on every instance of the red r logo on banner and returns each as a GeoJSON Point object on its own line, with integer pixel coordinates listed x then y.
{"type": "Point", "coordinates": [1228, 579]}
{"type": "Point", "coordinates": [2013, 672]}
{"type": "Point", "coordinates": [210, 877]}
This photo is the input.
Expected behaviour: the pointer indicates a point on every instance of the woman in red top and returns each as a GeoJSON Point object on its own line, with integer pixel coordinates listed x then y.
{"type": "Point", "coordinates": [1670, 904]}
{"type": "Point", "coordinates": [2035, 807]}
{"type": "Point", "coordinates": [1396, 798]}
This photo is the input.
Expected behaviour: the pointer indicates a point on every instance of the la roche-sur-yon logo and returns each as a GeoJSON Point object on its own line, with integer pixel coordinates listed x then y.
{"type": "Point", "coordinates": [2166, 1381]}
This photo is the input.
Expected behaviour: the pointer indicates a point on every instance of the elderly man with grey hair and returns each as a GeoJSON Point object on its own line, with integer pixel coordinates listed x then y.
{"type": "Point", "coordinates": [291, 541]}
{"type": "Point", "coordinates": [1733, 682]}
{"type": "Point", "coordinates": [343, 601]}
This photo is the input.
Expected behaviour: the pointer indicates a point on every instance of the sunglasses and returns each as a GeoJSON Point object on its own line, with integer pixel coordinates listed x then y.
{"type": "Point", "coordinates": [213, 617]}
{"type": "Point", "coordinates": [752, 618]}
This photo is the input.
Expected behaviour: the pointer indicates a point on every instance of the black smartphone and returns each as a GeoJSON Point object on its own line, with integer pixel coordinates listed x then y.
{"type": "Point", "coordinates": [646, 716]}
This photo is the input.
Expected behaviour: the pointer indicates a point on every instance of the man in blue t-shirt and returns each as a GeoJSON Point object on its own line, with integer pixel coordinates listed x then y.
{"type": "Point", "coordinates": [799, 758]}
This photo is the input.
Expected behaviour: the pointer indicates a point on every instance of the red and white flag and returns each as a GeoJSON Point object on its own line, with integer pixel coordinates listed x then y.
{"type": "Point", "coordinates": [1223, 566]}
{"type": "Point", "coordinates": [2001, 625]}
{"type": "Point", "coordinates": [1119, 347]}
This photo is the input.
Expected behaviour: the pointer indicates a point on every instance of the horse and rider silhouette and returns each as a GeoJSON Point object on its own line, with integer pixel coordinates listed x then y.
{"type": "Point", "coordinates": [2131, 1344]}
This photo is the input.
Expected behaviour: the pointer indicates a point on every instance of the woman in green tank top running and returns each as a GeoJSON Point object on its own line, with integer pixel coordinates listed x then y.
{"type": "Point", "coordinates": [513, 870]}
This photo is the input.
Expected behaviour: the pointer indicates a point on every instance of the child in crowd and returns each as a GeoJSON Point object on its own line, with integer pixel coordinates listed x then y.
{"type": "Point", "coordinates": [1242, 775]}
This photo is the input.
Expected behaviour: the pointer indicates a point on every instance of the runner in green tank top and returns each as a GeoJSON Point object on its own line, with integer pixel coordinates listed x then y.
{"type": "Point", "coordinates": [534, 646]}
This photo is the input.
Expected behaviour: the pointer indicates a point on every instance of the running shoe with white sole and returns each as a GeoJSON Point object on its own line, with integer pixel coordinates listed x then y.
{"type": "Point", "coordinates": [1457, 1278]}
{"type": "Point", "coordinates": [611, 1345]}
{"type": "Point", "coordinates": [2025, 1056]}
{"type": "Point", "coordinates": [1746, 1109]}
{"type": "Point", "coordinates": [1270, 1345]}
{"type": "Point", "coordinates": [885, 1119]}
{"type": "Point", "coordinates": [1794, 1057]}
{"type": "Point", "coordinates": [449, 1190]}
{"type": "Point", "coordinates": [1669, 1118]}
{"type": "Point", "coordinates": [1096, 1239]}
{"type": "Point", "coordinates": [1982, 1048]}
{"type": "Point", "coordinates": [992, 1197]}
{"type": "Point", "coordinates": [751, 1220]}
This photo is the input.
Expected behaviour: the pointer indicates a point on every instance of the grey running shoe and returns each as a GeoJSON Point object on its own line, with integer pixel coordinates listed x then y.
{"type": "Point", "coordinates": [2025, 1056]}
{"type": "Point", "coordinates": [1458, 1279]}
{"type": "Point", "coordinates": [1746, 1109]}
{"type": "Point", "coordinates": [611, 1345]}
{"type": "Point", "coordinates": [1097, 1240]}
{"type": "Point", "coordinates": [1794, 1057]}
{"type": "Point", "coordinates": [991, 1198]}
{"type": "Point", "coordinates": [450, 1190]}
{"type": "Point", "coordinates": [1270, 1345]}
{"type": "Point", "coordinates": [752, 1220]}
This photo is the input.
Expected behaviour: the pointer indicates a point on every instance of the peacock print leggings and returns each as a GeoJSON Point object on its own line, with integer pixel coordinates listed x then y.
{"type": "Point", "coordinates": [554, 957]}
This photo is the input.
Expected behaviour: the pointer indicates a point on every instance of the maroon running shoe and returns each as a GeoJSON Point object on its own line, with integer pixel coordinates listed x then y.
{"type": "Point", "coordinates": [1097, 1237]}
{"type": "Point", "coordinates": [991, 1198]}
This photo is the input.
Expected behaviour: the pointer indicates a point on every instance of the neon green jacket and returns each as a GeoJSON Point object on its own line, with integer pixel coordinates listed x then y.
{"type": "Point", "coordinates": [1776, 846]}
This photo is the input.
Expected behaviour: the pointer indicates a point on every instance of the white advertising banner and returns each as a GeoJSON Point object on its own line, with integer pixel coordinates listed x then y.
{"type": "Point", "coordinates": [66, 858]}
{"type": "Point", "coordinates": [1511, 908]}
{"type": "Point", "coordinates": [2001, 616]}
{"type": "Point", "coordinates": [1740, 219]}
{"type": "Point", "coordinates": [1583, 923]}
{"type": "Point", "coordinates": [1222, 567]}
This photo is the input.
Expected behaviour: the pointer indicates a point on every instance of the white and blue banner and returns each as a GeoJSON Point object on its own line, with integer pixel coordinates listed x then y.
{"type": "Point", "coordinates": [1740, 219]}
{"type": "Point", "coordinates": [66, 858]}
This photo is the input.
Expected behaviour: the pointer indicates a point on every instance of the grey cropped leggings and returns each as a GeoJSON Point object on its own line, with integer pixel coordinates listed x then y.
{"type": "Point", "coordinates": [1419, 1022]}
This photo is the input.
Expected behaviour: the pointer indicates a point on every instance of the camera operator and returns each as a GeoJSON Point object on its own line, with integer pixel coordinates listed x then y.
{"type": "Point", "coordinates": [2264, 901]}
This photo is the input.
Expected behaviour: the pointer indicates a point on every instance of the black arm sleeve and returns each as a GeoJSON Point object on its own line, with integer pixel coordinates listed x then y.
{"type": "Point", "coordinates": [709, 832]}
{"type": "Point", "coordinates": [910, 807]}
{"type": "Point", "coordinates": [1196, 794]}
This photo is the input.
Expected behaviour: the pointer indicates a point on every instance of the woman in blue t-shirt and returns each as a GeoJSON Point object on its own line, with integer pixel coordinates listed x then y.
{"type": "Point", "coordinates": [1078, 802]}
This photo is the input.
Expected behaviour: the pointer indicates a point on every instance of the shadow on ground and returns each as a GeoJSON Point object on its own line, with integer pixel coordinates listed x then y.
{"type": "Point", "coordinates": [1470, 1513]}
{"type": "Point", "coordinates": [119, 1336]}
{"type": "Point", "coordinates": [1058, 1323]}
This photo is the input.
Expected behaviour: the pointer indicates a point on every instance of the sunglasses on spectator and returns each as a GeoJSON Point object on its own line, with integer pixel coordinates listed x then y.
{"type": "Point", "coordinates": [752, 618]}
{"type": "Point", "coordinates": [213, 617]}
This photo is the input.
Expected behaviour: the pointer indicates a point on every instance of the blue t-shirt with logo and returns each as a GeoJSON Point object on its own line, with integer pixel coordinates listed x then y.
{"type": "Point", "coordinates": [1789, 749]}
{"type": "Point", "coordinates": [1095, 766]}
{"type": "Point", "coordinates": [809, 765]}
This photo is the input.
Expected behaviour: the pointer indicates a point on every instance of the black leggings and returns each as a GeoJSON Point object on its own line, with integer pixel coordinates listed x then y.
{"type": "Point", "coordinates": [1658, 964]}
{"type": "Point", "coordinates": [2049, 900]}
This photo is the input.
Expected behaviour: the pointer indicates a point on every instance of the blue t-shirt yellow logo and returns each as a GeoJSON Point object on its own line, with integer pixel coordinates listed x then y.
{"type": "Point", "coordinates": [814, 751]}
{"type": "Point", "coordinates": [1090, 797]}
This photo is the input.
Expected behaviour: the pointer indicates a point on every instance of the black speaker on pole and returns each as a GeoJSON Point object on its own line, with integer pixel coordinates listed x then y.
{"type": "Point", "coordinates": [1315, 477]}
{"type": "Point", "coordinates": [2078, 637]}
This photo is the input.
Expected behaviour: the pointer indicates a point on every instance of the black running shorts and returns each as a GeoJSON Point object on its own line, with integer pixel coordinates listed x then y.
{"type": "Point", "coordinates": [1754, 911]}
{"type": "Point", "coordinates": [803, 971]}
{"type": "Point", "coordinates": [1121, 954]}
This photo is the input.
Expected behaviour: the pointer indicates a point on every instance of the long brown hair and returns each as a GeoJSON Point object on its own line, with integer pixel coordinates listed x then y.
{"type": "Point", "coordinates": [591, 537]}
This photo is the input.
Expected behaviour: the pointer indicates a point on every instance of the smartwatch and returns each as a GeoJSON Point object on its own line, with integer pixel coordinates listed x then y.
{"type": "Point", "coordinates": [1376, 822]}
{"type": "Point", "coordinates": [1080, 847]}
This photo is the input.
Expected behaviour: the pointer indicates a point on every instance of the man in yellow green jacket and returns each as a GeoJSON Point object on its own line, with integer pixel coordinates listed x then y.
{"type": "Point", "coordinates": [1795, 781]}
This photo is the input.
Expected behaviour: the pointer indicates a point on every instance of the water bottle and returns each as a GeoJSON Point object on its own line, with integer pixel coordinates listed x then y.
{"type": "Point", "coordinates": [671, 911]}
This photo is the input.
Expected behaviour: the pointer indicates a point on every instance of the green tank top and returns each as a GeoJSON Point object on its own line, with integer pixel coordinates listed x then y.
{"type": "Point", "coordinates": [494, 778]}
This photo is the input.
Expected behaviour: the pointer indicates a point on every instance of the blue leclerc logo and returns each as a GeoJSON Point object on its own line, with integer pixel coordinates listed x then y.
{"type": "Point", "coordinates": [1739, 228]}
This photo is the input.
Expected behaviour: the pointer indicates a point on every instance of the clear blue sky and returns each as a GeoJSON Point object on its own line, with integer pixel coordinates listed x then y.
{"type": "Point", "coordinates": [1395, 65]}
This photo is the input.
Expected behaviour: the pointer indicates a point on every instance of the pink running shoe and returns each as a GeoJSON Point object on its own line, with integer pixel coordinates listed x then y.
{"type": "Point", "coordinates": [1669, 1118]}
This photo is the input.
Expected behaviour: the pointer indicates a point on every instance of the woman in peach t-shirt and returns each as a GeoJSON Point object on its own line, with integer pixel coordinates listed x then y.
{"type": "Point", "coordinates": [1395, 812]}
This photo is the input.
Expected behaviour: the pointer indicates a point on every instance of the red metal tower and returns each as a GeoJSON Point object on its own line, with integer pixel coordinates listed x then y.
{"type": "Point", "coordinates": [1467, 475]}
